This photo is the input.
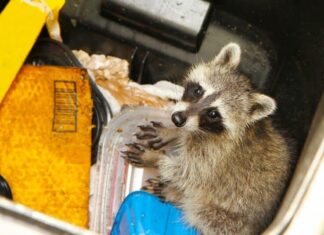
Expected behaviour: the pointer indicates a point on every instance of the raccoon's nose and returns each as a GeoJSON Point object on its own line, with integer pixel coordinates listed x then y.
{"type": "Point", "coordinates": [179, 119]}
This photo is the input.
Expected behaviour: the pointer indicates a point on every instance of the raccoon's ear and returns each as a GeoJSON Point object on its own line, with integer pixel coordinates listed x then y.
{"type": "Point", "coordinates": [229, 56]}
{"type": "Point", "coordinates": [262, 106]}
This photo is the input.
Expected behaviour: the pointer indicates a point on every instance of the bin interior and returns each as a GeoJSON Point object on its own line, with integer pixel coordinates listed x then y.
{"type": "Point", "coordinates": [282, 41]}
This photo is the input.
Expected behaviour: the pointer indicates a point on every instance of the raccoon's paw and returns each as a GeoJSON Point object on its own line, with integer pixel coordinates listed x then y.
{"type": "Point", "coordinates": [163, 190]}
{"type": "Point", "coordinates": [138, 156]}
{"type": "Point", "coordinates": [154, 136]}
{"type": "Point", "coordinates": [154, 186]}
{"type": "Point", "coordinates": [133, 154]}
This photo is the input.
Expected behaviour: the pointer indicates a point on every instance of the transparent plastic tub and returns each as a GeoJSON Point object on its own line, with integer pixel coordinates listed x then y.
{"type": "Point", "coordinates": [114, 178]}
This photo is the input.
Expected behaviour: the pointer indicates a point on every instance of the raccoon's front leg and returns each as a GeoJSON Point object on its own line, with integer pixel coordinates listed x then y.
{"type": "Point", "coordinates": [138, 156]}
{"type": "Point", "coordinates": [162, 190]}
{"type": "Point", "coordinates": [149, 145]}
{"type": "Point", "coordinates": [154, 186]}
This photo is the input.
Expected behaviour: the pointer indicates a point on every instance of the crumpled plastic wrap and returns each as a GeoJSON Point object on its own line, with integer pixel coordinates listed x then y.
{"type": "Point", "coordinates": [111, 73]}
{"type": "Point", "coordinates": [107, 67]}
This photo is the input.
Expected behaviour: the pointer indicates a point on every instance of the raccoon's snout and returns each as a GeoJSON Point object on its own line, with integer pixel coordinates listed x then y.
{"type": "Point", "coordinates": [179, 119]}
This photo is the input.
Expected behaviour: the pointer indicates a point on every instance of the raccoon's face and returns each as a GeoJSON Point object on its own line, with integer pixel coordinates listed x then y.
{"type": "Point", "coordinates": [217, 99]}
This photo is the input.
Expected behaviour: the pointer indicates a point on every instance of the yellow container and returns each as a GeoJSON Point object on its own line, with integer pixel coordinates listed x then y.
{"type": "Point", "coordinates": [45, 141]}
{"type": "Point", "coordinates": [20, 24]}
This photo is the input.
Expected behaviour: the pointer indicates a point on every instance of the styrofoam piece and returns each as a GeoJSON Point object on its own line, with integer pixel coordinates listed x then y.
{"type": "Point", "coordinates": [163, 89]}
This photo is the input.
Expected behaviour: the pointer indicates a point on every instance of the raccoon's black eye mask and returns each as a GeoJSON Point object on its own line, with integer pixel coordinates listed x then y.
{"type": "Point", "coordinates": [211, 120]}
{"type": "Point", "coordinates": [193, 92]}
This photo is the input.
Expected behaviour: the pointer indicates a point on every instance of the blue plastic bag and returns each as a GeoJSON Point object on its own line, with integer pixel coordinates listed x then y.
{"type": "Point", "coordinates": [143, 213]}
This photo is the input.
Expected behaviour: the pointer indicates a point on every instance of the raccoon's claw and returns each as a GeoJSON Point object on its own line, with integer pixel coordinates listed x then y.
{"type": "Point", "coordinates": [153, 181]}
{"type": "Point", "coordinates": [154, 143]}
{"type": "Point", "coordinates": [140, 156]}
{"type": "Point", "coordinates": [132, 158]}
{"type": "Point", "coordinates": [137, 147]}
{"type": "Point", "coordinates": [157, 124]}
{"type": "Point", "coordinates": [133, 154]}
{"type": "Point", "coordinates": [150, 136]}
{"type": "Point", "coordinates": [160, 144]}
{"type": "Point", "coordinates": [146, 128]}
{"type": "Point", "coordinates": [155, 187]}
{"type": "Point", "coordinates": [145, 135]}
{"type": "Point", "coordinates": [146, 132]}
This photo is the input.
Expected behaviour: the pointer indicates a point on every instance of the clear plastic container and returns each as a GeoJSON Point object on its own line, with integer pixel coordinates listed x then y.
{"type": "Point", "coordinates": [114, 178]}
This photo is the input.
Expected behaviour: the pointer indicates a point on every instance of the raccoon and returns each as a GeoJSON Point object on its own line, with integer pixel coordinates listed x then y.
{"type": "Point", "coordinates": [231, 165]}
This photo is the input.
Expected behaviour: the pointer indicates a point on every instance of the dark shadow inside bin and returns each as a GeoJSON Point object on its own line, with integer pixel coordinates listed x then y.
{"type": "Point", "coordinates": [3, 4]}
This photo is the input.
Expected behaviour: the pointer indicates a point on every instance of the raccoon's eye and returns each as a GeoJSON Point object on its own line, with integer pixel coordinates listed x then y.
{"type": "Point", "coordinates": [212, 114]}
{"type": "Point", "coordinates": [198, 91]}
{"type": "Point", "coordinates": [193, 92]}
